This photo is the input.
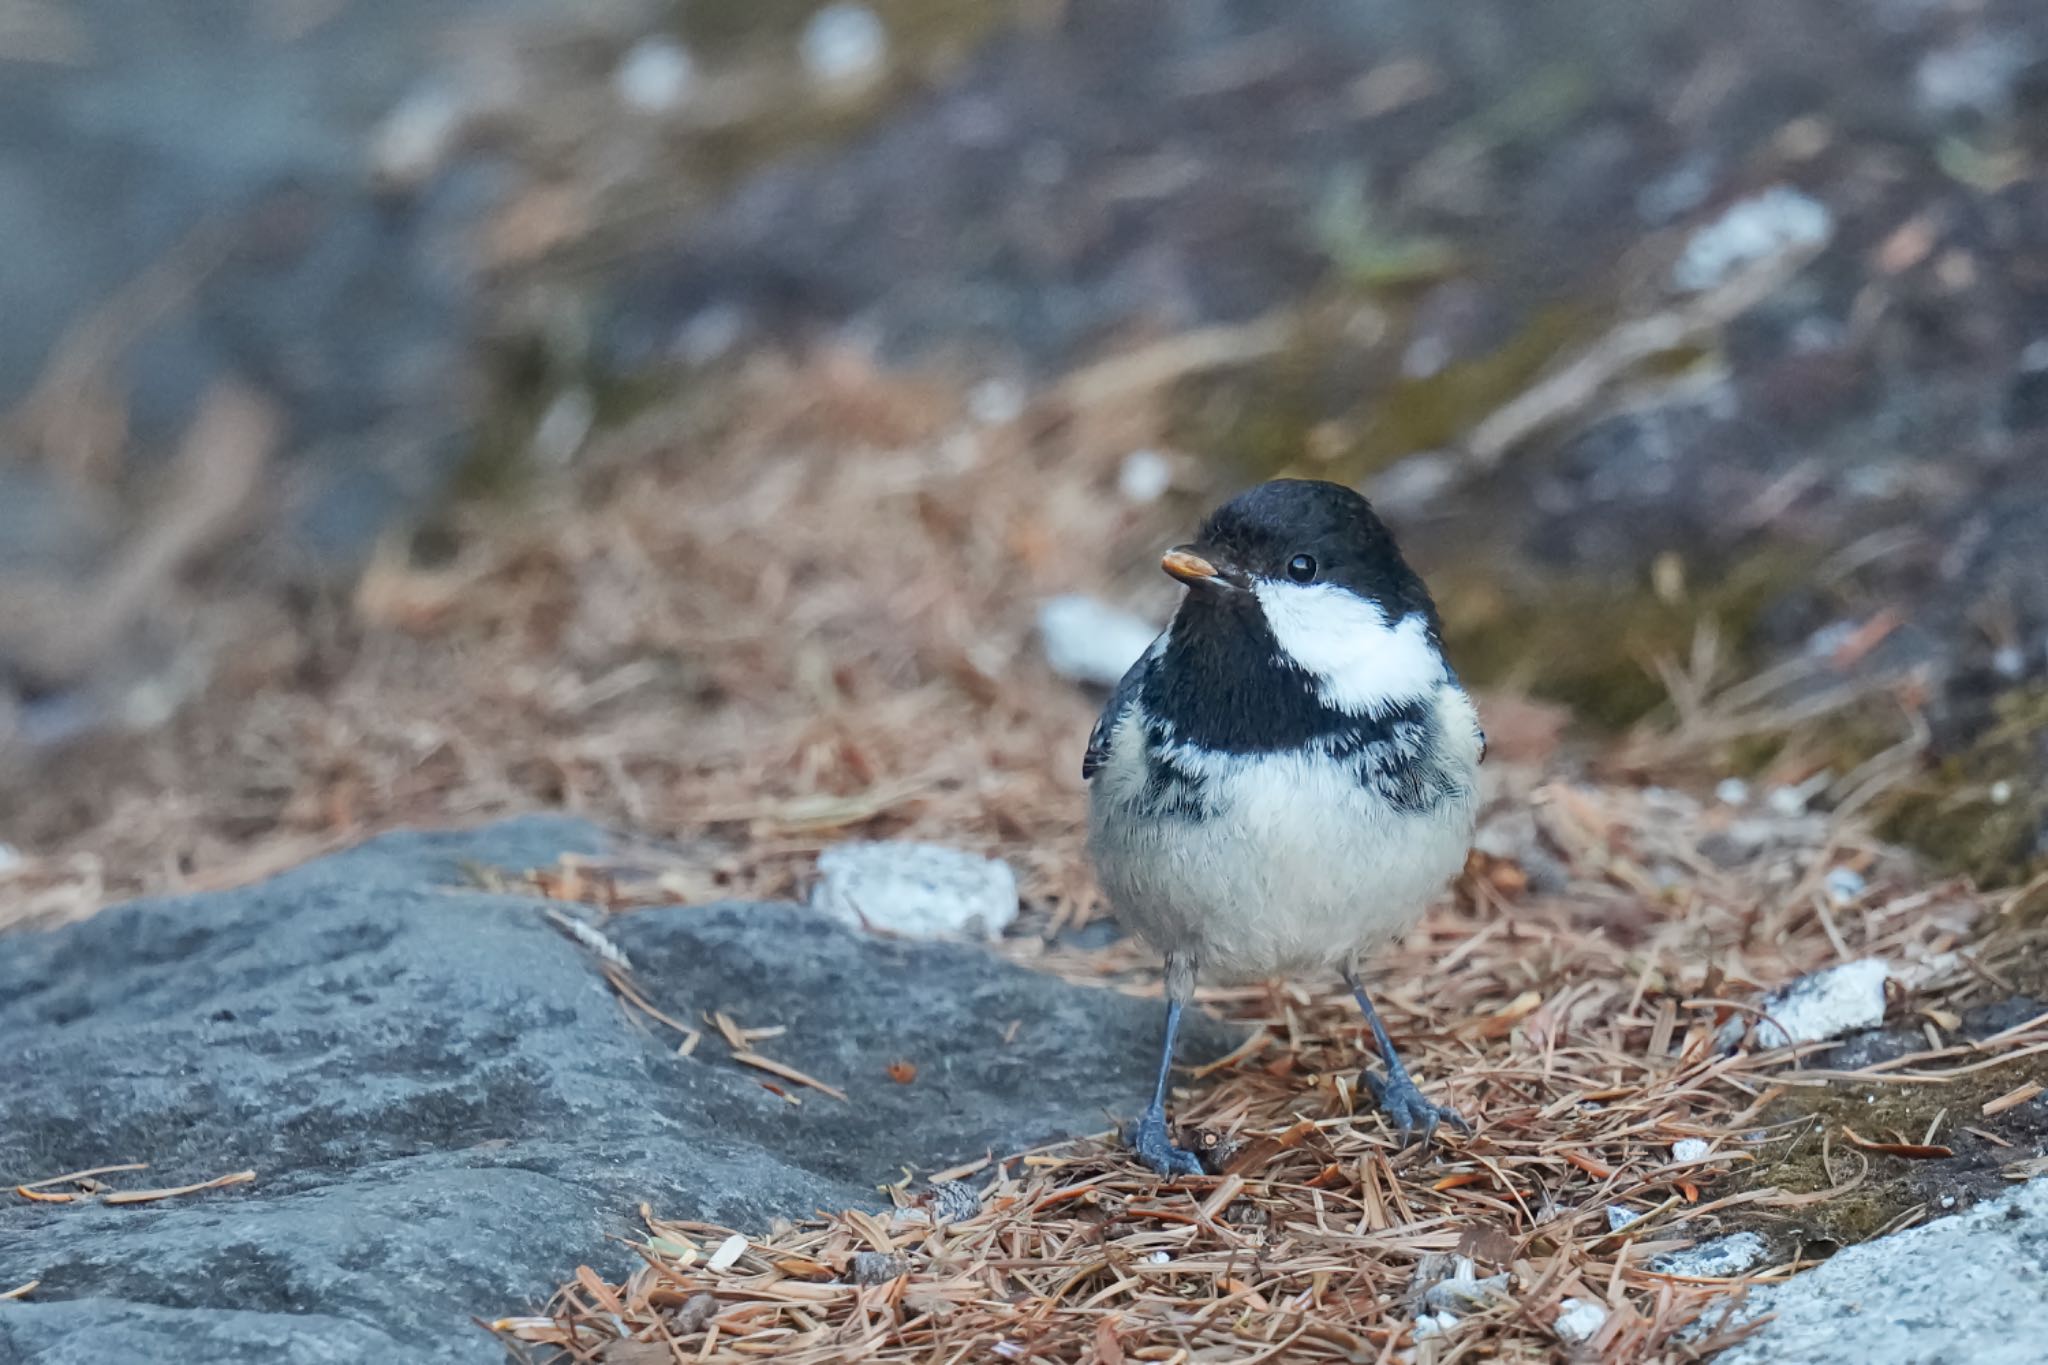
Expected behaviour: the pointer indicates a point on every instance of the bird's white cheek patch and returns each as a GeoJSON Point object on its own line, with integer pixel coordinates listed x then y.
{"type": "Point", "coordinates": [1360, 663]}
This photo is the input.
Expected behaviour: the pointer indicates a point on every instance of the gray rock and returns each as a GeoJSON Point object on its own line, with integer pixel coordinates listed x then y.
{"type": "Point", "coordinates": [447, 1109]}
{"type": "Point", "coordinates": [1966, 1288]}
{"type": "Point", "coordinates": [1722, 1256]}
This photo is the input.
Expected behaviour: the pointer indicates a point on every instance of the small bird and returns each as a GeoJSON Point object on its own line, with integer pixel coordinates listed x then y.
{"type": "Point", "coordinates": [1290, 772]}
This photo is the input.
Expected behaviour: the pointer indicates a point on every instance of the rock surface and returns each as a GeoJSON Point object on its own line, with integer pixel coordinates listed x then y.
{"type": "Point", "coordinates": [447, 1109]}
{"type": "Point", "coordinates": [1967, 1288]}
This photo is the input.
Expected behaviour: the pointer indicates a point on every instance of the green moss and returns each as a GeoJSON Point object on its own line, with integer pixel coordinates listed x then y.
{"type": "Point", "coordinates": [1300, 411]}
{"type": "Point", "coordinates": [1811, 1153]}
{"type": "Point", "coordinates": [926, 38]}
{"type": "Point", "coordinates": [1982, 810]}
{"type": "Point", "coordinates": [1591, 645]}
{"type": "Point", "coordinates": [1366, 250]}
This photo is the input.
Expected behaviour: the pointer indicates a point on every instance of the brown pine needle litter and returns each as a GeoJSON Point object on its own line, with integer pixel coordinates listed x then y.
{"type": "Point", "coordinates": [1578, 1027]}
{"type": "Point", "coordinates": [797, 606]}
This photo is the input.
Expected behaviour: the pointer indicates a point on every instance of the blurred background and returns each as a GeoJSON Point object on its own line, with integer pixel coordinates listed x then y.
{"type": "Point", "coordinates": [753, 422]}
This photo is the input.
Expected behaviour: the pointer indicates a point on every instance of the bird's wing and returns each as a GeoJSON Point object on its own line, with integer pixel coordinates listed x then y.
{"type": "Point", "coordinates": [1120, 700]}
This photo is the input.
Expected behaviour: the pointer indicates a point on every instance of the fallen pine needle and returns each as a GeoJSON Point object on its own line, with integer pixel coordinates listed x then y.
{"type": "Point", "coordinates": [787, 1072]}
{"type": "Point", "coordinates": [589, 937]}
{"type": "Point", "coordinates": [2017, 1096]}
{"type": "Point", "coordinates": [1915, 1151]}
{"type": "Point", "coordinates": [146, 1196]}
{"type": "Point", "coordinates": [20, 1291]}
{"type": "Point", "coordinates": [70, 1176]}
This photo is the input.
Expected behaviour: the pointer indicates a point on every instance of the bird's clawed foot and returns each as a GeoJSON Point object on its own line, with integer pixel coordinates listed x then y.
{"type": "Point", "coordinates": [1408, 1110]}
{"type": "Point", "coordinates": [1153, 1147]}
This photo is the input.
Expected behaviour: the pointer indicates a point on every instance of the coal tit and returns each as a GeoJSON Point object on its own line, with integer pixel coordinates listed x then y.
{"type": "Point", "coordinates": [1289, 774]}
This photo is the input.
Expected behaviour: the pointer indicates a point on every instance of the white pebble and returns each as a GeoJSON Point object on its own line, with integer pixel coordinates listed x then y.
{"type": "Point", "coordinates": [996, 402]}
{"type": "Point", "coordinates": [915, 890]}
{"type": "Point", "coordinates": [1719, 1258]}
{"type": "Point", "coordinates": [710, 333]}
{"type": "Point", "coordinates": [1414, 484]}
{"type": "Point", "coordinates": [1087, 641]}
{"type": "Point", "coordinates": [1844, 885]}
{"type": "Point", "coordinates": [564, 428]}
{"type": "Point", "coordinates": [1824, 1005]}
{"type": "Point", "coordinates": [414, 140]}
{"type": "Point", "coordinates": [1786, 801]}
{"type": "Point", "coordinates": [1161, 1257]}
{"type": "Point", "coordinates": [1690, 1149]}
{"type": "Point", "coordinates": [1732, 791]}
{"type": "Point", "coordinates": [1144, 476]}
{"type": "Point", "coordinates": [1578, 1319]}
{"type": "Point", "coordinates": [1434, 1324]}
{"type": "Point", "coordinates": [2001, 792]}
{"type": "Point", "coordinates": [1619, 1217]}
{"type": "Point", "coordinates": [1752, 230]}
{"type": "Point", "coordinates": [655, 76]}
{"type": "Point", "coordinates": [10, 859]}
{"type": "Point", "coordinates": [844, 44]}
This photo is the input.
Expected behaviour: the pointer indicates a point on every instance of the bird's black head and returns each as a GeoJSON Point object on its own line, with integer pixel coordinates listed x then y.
{"type": "Point", "coordinates": [1304, 532]}
{"type": "Point", "coordinates": [1301, 617]}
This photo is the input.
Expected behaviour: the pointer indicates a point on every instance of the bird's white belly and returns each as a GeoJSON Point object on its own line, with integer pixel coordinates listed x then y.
{"type": "Point", "coordinates": [1296, 869]}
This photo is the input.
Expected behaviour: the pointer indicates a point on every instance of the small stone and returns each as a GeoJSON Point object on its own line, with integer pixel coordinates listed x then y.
{"type": "Point", "coordinates": [695, 1315]}
{"type": "Point", "coordinates": [1160, 1257]}
{"type": "Point", "coordinates": [1087, 641]}
{"type": "Point", "coordinates": [1434, 1324]}
{"type": "Point", "coordinates": [1444, 1284]}
{"type": "Point", "coordinates": [915, 890]}
{"type": "Point", "coordinates": [1676, 193]}
{"type": "Point", "coordinates": [1578, 1319]}
{"type": "Point", "coordinates": [996, 402]}
{"type": "Point", "coordinates": [1619, 1217]}
{"type": "Point", "coordinates": [1974, 76]}
{"type": "Point", "coordinates": [1414, 484]}
{"type": "Point", "coordinates": [1751, 230]}
{"type": "Point", "coordinates": [1717, 1259]}
{"type": "Point", "coordinates": [953, 1201]}
{"type": "Point", "coordinates": [564, 427]}
{"type": "Point", "coordinates": [1845, 885]}
{"type": "Point", "coordinates": [844, 45]}
{"type": "Point", "coordinates": [1465, 1292]}
{"type": "Point", "coordinates": [1786, 801]}
{"type": "Point", "coordinates": [1690, 1149]}
{"type": "Point", "coordinates": [710, 334]}
{"type": "Point", "coordinates": [1823, 1005]}
{"type": "Point", "coordinates": [655, 76]}
{"type": "Point", "coordinates": [1144, 476]}
{"type": "Point", "coordinates": [878, 1267]}
{"type": "Point", "coordinates": [1732, 791]}
{"type": "Point", "coordinates": [2000, 793]}
{"type": "Point", "coordinates": [412, 142]}
{"type": "Point", "coordinates": [1829, 638]}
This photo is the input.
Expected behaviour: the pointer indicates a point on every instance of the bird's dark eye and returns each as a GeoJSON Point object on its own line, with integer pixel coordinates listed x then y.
{"type": "Point", "coordinates": [1302, 568]}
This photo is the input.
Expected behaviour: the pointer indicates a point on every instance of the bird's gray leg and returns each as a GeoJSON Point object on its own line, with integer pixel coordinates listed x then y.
{"type": "Point", "coordinates": [1149, 1140]}
{"type": "Point", "coordinates": [1397, 1095]}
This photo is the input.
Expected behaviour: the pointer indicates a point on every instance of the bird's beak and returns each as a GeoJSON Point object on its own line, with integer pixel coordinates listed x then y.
{"type": "Point", "coordinates": [1195, 568]}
